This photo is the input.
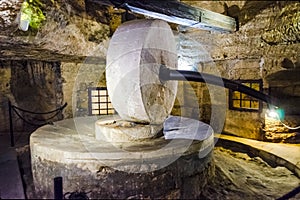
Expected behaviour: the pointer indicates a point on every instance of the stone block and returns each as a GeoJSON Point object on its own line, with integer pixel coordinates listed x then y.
{"type": "Point", "coordinates": [154, 169]}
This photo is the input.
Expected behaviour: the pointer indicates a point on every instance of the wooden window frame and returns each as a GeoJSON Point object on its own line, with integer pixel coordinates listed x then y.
{"type": "Point", "coordinates": [246, 109]}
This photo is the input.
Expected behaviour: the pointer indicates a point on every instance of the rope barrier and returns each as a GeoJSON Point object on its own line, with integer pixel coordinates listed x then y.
{"type": "Point", "coordinates": [46, 121]}
{"type": "Point", "coordinates": [58, 110]}
{"type": "Point", "coordinates": [36, 119]}
{"type": "Point", "coordinates": [28, 122]}
{"type": "Point", "coordinates": [40, 113]}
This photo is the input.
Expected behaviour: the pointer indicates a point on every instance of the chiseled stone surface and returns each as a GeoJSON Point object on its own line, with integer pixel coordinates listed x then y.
{"type": "Point", "coordinates": [136, 51]}
{"type": "Point", "coordinates": [266, 43]}
{"type": "Point", "coordinates": [8, 13]}
{"type": "Point", "coordinates": [268, 34]}
{"type": "Point", "coordinates": [65, 35]}
{"type": "Point", "coordinates": [183, 179]}
{"type": "Point", "coordinates": [34, 86]}
{"type": "Point", "coordinates": [5, 73]}
{"type": "Point", "coordinates": [156, 168]}
{"type": "Point", "coordinates": [113, 129]}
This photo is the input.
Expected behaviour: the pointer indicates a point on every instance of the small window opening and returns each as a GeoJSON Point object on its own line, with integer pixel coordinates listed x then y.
{"type": "Point", "coordinates": [243, 102]}
{"type": "Point", "coordinates": [99, 101]}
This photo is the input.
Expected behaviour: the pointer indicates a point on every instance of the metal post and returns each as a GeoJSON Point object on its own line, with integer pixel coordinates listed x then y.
{"type": "Point", "coordinates": [58, 188]}
{"type": "Point", "coordinates": [11, 131]}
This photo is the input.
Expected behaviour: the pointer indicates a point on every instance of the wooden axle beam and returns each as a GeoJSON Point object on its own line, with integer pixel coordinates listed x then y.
{"type": "Point", "coordinates": [178, 13]}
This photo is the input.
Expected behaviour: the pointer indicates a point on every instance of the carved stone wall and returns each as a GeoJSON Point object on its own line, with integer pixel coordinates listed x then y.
{"type": "Point", "coordinates": [5, 76]}
{"type": "Point", "coordinates": [72, 33]}
{"type": "Point", "coordinates": [69, 32]}
{"type": "Point", "coordinates": [78, 77]}
{"type": "Point", "coordinates": [35, 86]}
{"type": "Point", "coordinates": [267, 39]}
{"type": "Point", "coordinates": [266, 42]}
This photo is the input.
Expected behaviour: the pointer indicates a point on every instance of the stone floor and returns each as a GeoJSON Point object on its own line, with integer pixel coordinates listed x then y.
{"type": "Point", "coordinates": [287, 155]}
{"type": "Point", "coordinates": [11, 186]}
{"type": "Point", "coordinates": [283, 154]}
{"type": "Point", "coordinates": [242, 175]}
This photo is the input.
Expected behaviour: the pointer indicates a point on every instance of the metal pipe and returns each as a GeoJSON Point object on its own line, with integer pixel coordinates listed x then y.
{"type": "Point", "coordinates": [166, 74]}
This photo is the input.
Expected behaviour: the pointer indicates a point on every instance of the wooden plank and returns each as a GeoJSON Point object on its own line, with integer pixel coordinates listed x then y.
{"type": "Point", "coordinates": [179, 13]}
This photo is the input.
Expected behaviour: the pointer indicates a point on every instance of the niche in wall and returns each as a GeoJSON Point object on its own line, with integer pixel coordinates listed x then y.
{"type": "Point", "coordinates": [35, 86]}
{"type": "Point", "coordinates": [285, 86]}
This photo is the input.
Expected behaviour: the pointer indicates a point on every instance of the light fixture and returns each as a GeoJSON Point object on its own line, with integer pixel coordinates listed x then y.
{"type": "Point", "coordinates": [31, 15]}
{"type": "Point", "coordinates": [275, 113]}
{"type": "Point", "coordinates": [166, 74]}
{"type": "Point", "coordinates": [278, 114]}
{"type": "Point", "coordinates": [272, 114]}
{"type": "Point", "coordinates": [24, 18]}
{"type": "Point", "coordinates": [183, 64]}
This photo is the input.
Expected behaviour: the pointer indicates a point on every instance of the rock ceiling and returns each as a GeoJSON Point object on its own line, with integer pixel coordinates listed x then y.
{"type": "Point", "coordinates": [77, 29]}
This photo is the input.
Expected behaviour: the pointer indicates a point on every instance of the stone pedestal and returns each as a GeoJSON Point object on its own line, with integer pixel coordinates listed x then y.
{"type": "Point", "coordinates": [154, 168]}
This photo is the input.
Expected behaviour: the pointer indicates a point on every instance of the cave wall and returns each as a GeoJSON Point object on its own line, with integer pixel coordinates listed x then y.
{"type": "Point", "coordinates": [267, 38]}
{"type": "Point", "coordinates": [77, 36]}
{"type": "Point", "coordinates": [5, 74]}
{"type": "Point", "coordinates": [78, 77]}
{"type": "Point", "coordinates": [70, 32]}
{"type": "Point", "coordinates": [35, 86]}
{"type": "Point", "coordinates": [39, 67]}
{"type": "Point", "coordinates": [285, 84]}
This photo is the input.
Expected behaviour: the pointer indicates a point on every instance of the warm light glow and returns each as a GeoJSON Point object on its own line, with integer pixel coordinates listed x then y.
{"type": "Point", "coordinates": [276, 113]}
{"type": "Point", "coordinates": [272, 114]}
{"type": "Point", "coordinates": [185, 65]}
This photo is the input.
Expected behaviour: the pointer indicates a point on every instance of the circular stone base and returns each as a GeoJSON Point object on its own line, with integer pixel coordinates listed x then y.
{"type": "Point", "coordinates": [156, 168]}
{"type": "Point", "coordinates": [113, 129]}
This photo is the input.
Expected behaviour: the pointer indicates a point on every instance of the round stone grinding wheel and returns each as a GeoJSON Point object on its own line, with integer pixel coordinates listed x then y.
{"type": "Point", "coordinates": [136, 51]}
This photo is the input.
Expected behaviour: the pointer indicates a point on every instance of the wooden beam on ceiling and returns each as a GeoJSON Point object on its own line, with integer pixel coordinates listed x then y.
{"type": "Point", "coordinates": [179, 13]}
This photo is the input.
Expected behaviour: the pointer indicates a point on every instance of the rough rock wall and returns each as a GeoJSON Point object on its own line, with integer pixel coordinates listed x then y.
{"type": "Point", "coordinates": [267, 38]}
{"type": "Point", "coordinates": [9, 13]}
{"type": "Point", "coordinates": [73, 33]}
{"type": "Point", "coordinates": [266, 43]}
{"type": "Point", "coordinates": [68, 33]}
{"type": "Point", "coordinates": [5, 76]}
{"type": "Point", "coordinates": [35, 86]}
{"type": "Point", "coordinates": [78, 77]}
